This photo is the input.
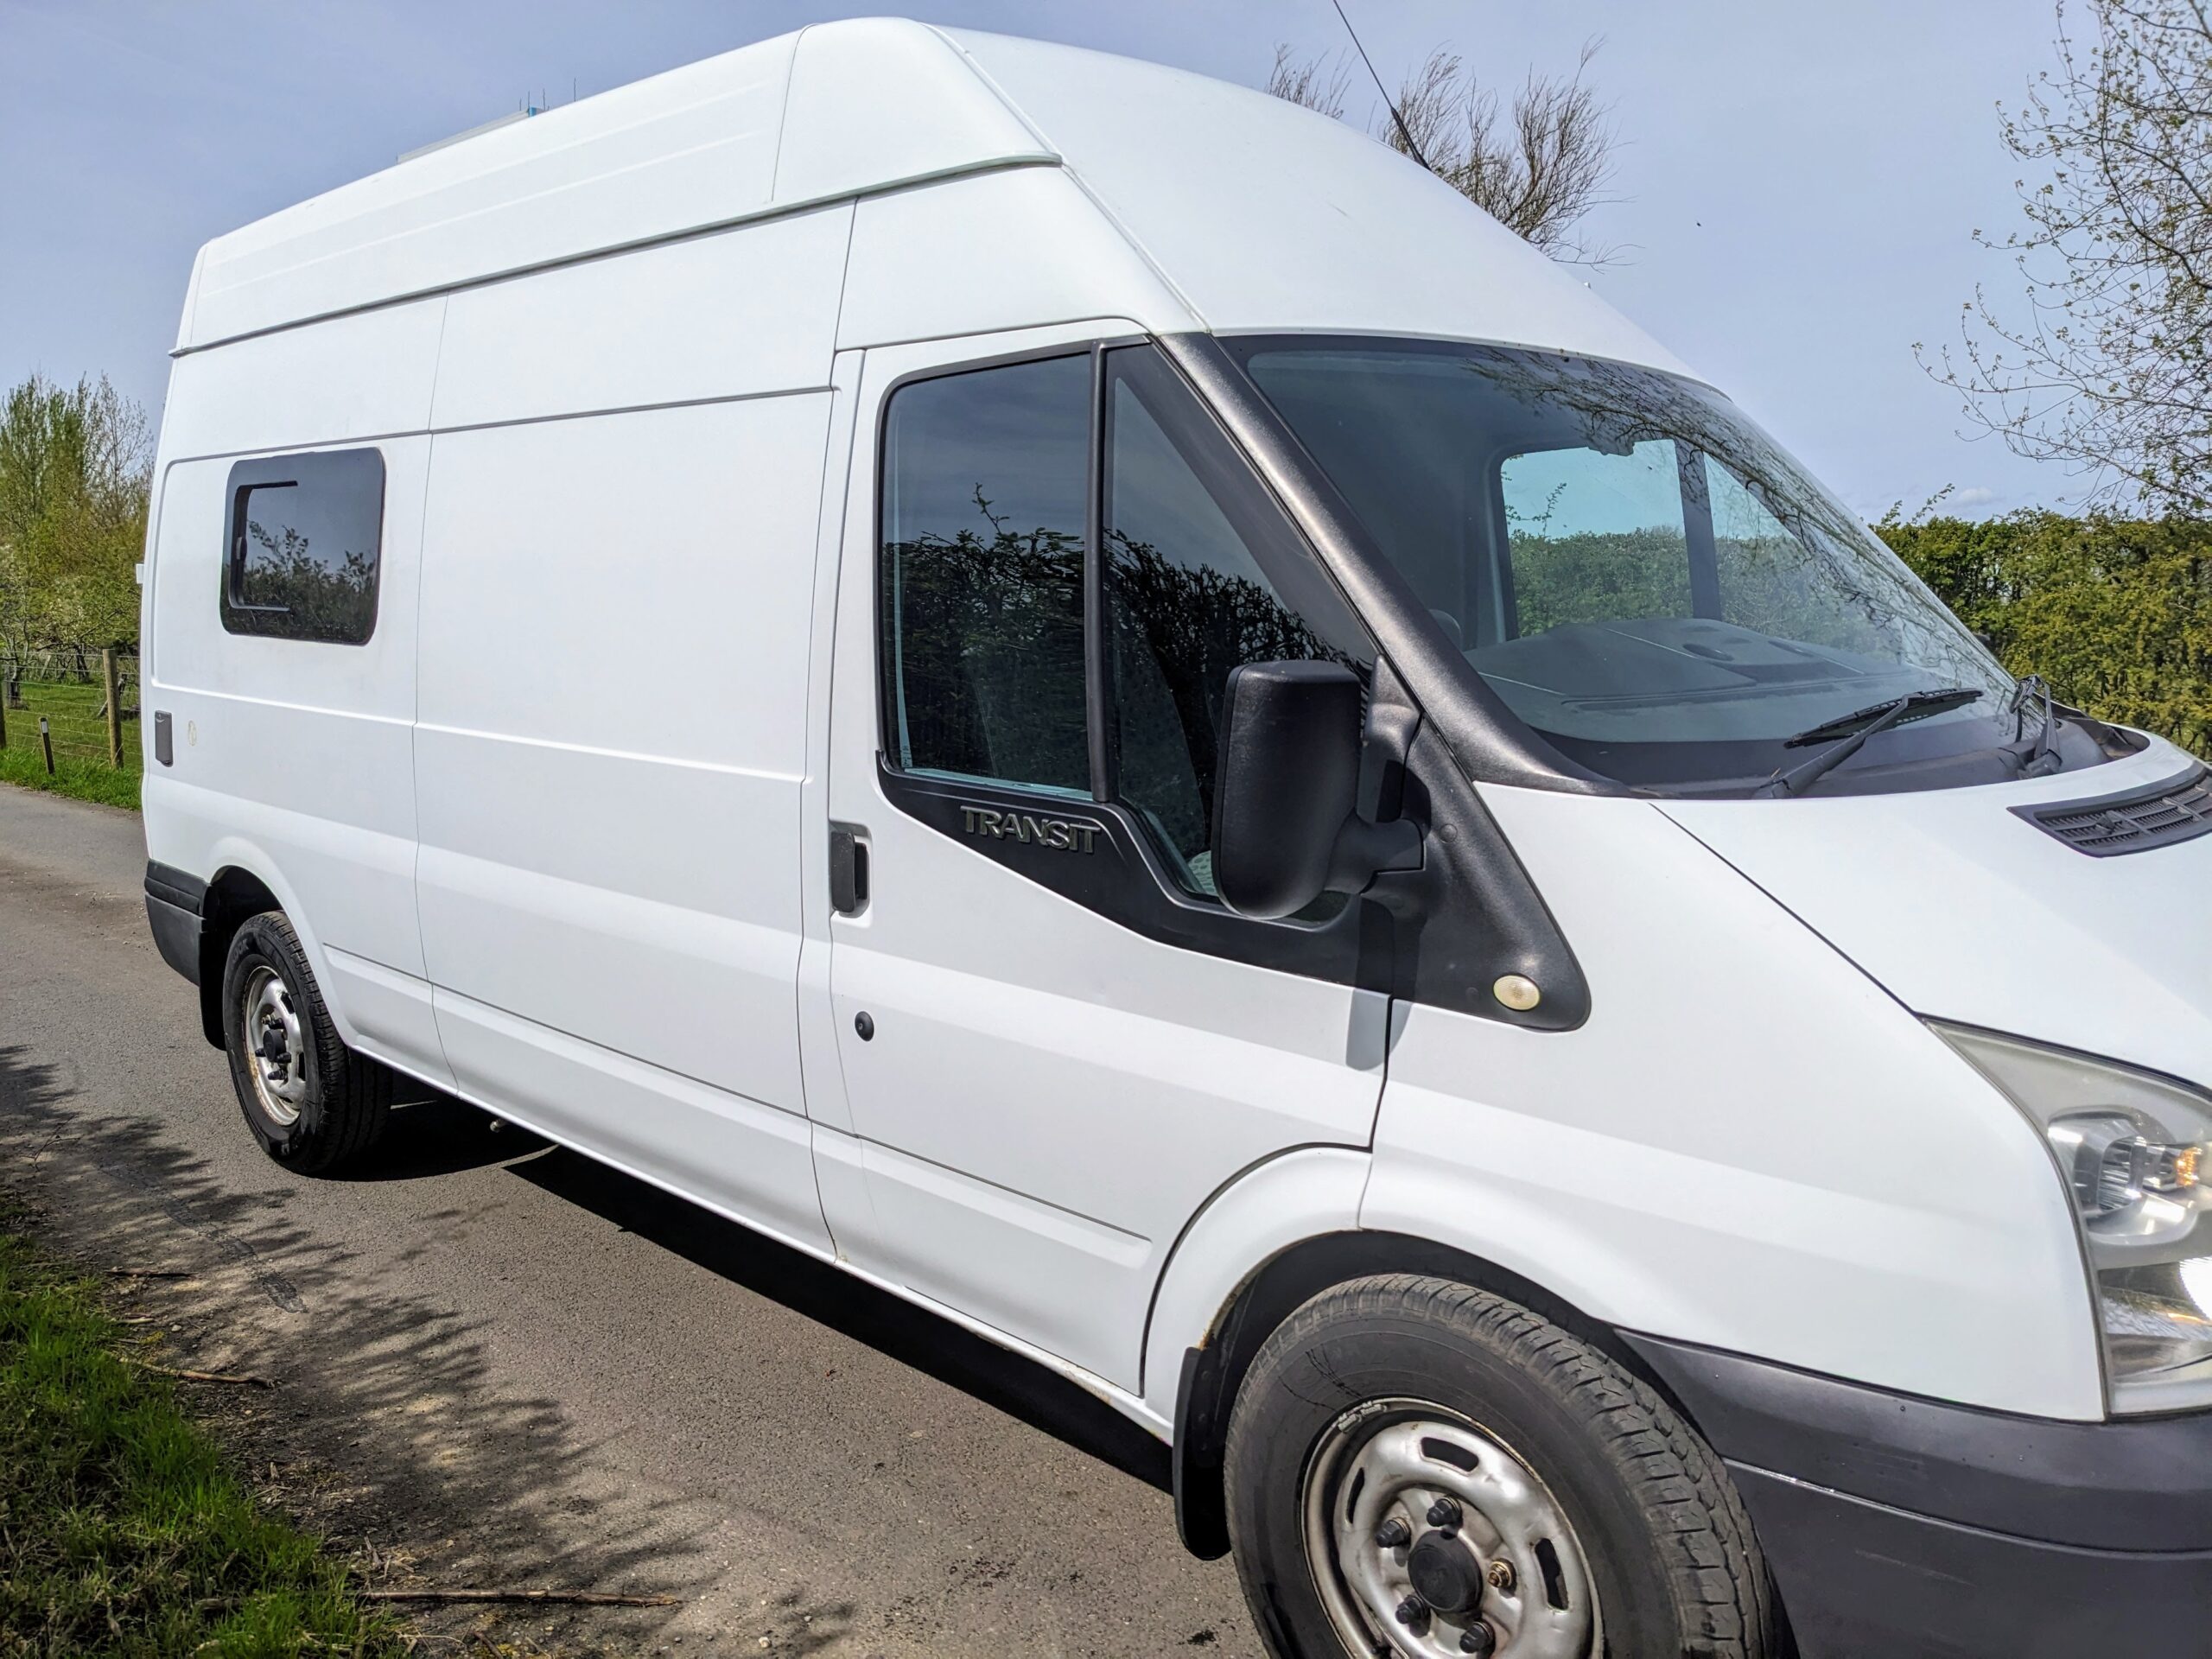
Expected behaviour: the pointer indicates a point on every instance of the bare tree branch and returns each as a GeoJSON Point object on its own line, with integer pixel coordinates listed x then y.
{"type": "Point", "coordinates": [1316, 84]}
{"type": "Point", "coordinates": [1538, 166]}
{"type": "Point", "coordinates": [2106, 363]}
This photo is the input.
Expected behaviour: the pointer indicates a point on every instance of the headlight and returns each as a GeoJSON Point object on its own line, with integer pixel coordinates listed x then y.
{"type": "Point", "coordinates": [2135, 1152]}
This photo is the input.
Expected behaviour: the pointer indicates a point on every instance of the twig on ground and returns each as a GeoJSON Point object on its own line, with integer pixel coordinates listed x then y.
{"type": "Point", "coordinates": [205, 1376]}
{"type": "Point", "coordinates": [149, 1273]}
{"type": "Point", "coordinates": [575, 1598]}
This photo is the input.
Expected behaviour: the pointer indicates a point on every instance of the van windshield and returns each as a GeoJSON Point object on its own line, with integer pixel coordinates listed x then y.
{"type": "Point", "coordinates": [1640, 573]}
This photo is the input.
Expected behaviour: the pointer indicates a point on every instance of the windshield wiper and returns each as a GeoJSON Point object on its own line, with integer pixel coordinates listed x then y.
{"type": "Point", "coordinates": [2045, 757]}
{"type": "Point", "coordinates": [1855, 728]}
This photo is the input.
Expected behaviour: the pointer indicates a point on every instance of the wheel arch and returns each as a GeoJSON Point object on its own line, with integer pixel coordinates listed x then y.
{"type": "Point", "coordinates": [244, 885]}
{"type": "Point", "coordinates": [1209, 1370]}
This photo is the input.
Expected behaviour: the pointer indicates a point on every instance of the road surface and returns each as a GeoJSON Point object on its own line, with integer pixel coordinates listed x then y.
{"type": "Point", "coordinates": [501, 1365]}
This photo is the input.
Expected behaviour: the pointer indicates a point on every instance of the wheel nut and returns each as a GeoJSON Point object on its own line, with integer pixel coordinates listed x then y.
{"type": "Point", "coordinates": [1412, 1610]}
{"type": "Point", "coordinates": [1393, 1534]}
{"type": "Point", "coordinates": [1479, 1638]}
{"type": "Point", "coordinates": [1501, 1577]}
{"type": "Point", "coordinates": [1443, 1513]}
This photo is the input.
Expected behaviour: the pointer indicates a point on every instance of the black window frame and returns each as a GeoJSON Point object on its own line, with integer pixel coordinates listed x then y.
{"type": "Point", "coordinates": [294, 470]}
{"type": "Point", "coordinates": [1438, 937]}
{"type": "Point", "coordinates": [1101, 705]}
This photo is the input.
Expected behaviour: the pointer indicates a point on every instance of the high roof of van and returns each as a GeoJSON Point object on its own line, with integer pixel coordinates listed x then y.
{"type": "Point", "coordinates": [1250, 213]}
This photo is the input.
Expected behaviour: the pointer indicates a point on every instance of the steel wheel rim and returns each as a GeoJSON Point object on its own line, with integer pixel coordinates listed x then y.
{"type": "Point", "coordinates": [276, 1055]}
{"type": "Point", "coordinates": [1393, 1460]}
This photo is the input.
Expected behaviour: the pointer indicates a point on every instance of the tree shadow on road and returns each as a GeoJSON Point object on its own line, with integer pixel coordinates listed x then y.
{"type": "Point", "coordinates": [830, 1296]}
{"type": "Point", "coordinates": [385, 1425]}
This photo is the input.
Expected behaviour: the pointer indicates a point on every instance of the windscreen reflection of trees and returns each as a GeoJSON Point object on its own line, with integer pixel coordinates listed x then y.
{"type": "Point", "coordinates": [286, 587]}
{"type": "Point", "coordinates": [1792, 563]}
{"type": "Point", "coordinates": [990, 653]}
{"type": "Point", "coordinates": [1178, 630]}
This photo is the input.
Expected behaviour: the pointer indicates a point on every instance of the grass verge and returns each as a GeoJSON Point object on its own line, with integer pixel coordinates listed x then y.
{"type": "Point", "coordinates": [83, 780]}
{"type": "Point", "coordinates": [122, 1531]}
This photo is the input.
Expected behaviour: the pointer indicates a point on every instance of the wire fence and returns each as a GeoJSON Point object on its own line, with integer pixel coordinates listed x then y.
{"type": "Point", "coordinates": [70, 707]}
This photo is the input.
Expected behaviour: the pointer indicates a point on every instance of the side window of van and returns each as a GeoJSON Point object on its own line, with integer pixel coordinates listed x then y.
{"type": "Point", "coordinates": [985, 497]}
{"type": "Point", "coordinates": [986, 584]}
{"type": "Point", "coordinates": [304, 538]}
{"type": "Point", "coordinates": [1186, 600]}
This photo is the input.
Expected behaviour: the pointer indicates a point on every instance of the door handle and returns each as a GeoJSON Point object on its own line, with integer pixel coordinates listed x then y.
{"type": "Point", "coordinates": [848, 868]}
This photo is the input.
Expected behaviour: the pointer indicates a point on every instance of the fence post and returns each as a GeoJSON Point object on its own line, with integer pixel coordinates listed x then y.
{"type": "Point", "coordinates": [46, 742]}
{"type": "Point", "coordinates": [113, 686]}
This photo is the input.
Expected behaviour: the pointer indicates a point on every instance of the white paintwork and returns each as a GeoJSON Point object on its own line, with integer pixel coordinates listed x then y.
{"type": "Point", "coordinates": [609, 820]}
{"type": "Point", "coordinates": [1302, 1194]}
{"type": "Point", "coordinates": [1094, 272]}
{"type": "Point", "coordinates": [759, 310]}
{"type": "Point", "coordinates": [1028, 1070]}
{"type": "Point", "coordinates": [1968, 913]}
{"type": "Point", "coordinates": [883, 103]}
{"type": "Point", "coordinates": [1750, 1144]}
{"type": "Point", "coordinates": [555, 838]}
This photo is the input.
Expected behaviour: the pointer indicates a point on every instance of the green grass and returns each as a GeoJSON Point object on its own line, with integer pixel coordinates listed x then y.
{"type": "Point", "coordinates": [86, 780]}
{"type": "Point", "coordinates": [80, 767]}
{"type": "Point", "coordinates": [122, 1532]}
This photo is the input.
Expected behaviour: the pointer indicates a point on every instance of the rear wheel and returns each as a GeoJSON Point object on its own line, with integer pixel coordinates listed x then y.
{"type": "Point", "coordinates": [1416, 1467]}
{"type": "Point", "coordinates": [312, 1103]}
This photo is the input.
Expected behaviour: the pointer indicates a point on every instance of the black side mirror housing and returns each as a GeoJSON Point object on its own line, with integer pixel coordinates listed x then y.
{"type": "Point", "coordinates": [1285, 823]}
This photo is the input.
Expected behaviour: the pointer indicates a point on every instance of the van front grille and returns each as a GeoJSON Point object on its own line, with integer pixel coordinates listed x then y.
{"type": "Point", "coordinates": [2133, 823]}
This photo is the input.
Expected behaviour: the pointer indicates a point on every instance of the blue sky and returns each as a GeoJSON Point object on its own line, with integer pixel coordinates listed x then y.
{"type": "Point", "coordinates": [1799, 183]}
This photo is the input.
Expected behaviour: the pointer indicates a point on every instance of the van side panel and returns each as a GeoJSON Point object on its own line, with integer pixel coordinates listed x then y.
{"type": "Point", "coordinates": [655, 158]}
{"type": "Point", "coordinates": [740, 312]}
{"type": "Point", "coordinates": [915, 273]}
{"type": "Point", "coordinates": [351, 378]}
{"type": "Point", "coordinates": [613, 704]}
{"type": "Point", "coordinates": [292, 758]}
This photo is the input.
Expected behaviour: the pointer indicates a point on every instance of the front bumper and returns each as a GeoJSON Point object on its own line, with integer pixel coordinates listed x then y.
{"type": "Point", "coordinates": [1905, 1526]}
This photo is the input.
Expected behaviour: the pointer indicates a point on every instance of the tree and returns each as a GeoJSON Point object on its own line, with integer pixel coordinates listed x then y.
{"type": "Point", "coordinates": [2109, 367]}
{"type": "Point", "coordinates": [1538, 168]}
{"type": "Point", "coordinates": [75, 465]}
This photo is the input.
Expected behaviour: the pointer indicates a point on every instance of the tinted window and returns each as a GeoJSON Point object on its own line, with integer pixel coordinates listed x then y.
{"type": "Point", "coordinates": [1187, 599]}
{"type": "Point", "coordinates": [985, 485]}
{"type": "Point", "coordinates": [303, 539]}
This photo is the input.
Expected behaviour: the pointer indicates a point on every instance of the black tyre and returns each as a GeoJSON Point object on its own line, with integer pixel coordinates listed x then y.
{"type": "Point", "coordinates": [1418, 1467]}
{"type": "Point", "coordinates": [311, 1102]}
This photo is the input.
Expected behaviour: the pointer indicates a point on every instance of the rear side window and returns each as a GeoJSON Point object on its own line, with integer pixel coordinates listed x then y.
{"type": "Point", "coordinates": [302, 544]}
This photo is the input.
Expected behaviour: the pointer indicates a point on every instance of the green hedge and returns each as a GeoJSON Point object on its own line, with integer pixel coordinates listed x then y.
{"type": "Point", "coordinates": [2115, 613]}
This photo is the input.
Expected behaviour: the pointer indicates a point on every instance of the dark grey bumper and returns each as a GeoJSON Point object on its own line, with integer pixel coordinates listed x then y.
{"type": "Point", "coordinates": [173, 902]}
{"type": "Point", "coordinates": [1905, 1526]}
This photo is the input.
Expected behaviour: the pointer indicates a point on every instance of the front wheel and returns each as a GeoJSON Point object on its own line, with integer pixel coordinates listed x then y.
{"type": "Point", "coordinates": [312, 1103]}
{"type": "Point", "coordinates": [1420, 1468]}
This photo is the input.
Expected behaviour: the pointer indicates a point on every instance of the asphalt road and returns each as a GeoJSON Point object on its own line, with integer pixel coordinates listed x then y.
{"type": "Point", "coordinates": [499, 1366]}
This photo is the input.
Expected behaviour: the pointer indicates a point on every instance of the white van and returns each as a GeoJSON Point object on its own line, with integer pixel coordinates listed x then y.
{"type": "Point", "coordinates": [1085, 693]}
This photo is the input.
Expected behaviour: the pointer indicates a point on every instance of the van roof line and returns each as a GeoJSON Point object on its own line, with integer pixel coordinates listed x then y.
{"type": "Point", "coordinates": [1240, 212]}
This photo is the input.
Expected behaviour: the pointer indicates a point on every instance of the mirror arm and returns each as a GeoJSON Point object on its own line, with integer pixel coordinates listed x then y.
{"type": "Point", "coordinates": [1365, 849]}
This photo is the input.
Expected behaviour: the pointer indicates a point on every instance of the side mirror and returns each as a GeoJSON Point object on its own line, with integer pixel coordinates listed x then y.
{"type": "Point", "coordinates": [1286, 821]}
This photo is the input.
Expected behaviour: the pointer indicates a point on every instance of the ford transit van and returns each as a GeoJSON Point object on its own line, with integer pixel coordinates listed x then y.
{"type": "Point", "coordinates": [1086, 694]}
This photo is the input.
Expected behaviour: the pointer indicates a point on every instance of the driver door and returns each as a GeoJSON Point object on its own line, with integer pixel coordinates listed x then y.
{"type": "Point", "coordinates": [1055, 1043]}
